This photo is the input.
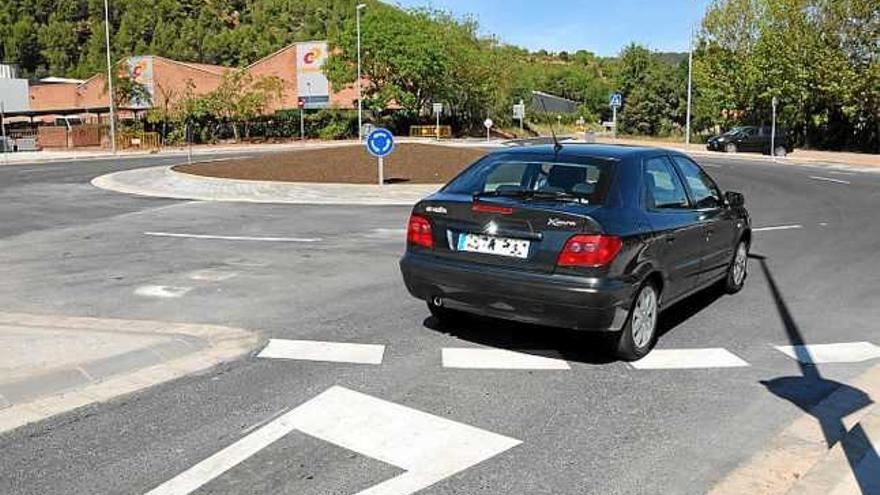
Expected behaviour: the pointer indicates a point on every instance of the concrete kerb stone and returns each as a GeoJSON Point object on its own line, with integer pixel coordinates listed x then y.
{"type": "Point", "coordinates": [163, 181]}
{"type": "Point", "coordinates": [798, 448]}
{"type": "Point", "coordinates": [223, 344]}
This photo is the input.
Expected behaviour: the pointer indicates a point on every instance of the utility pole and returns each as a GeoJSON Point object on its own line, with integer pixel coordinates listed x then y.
{"type": "Point", "coordinates": [687, 135]}
{"type": "Point", "coordinates": [110, 76]}
{"type": "Point", "coordinates": [358, 9]}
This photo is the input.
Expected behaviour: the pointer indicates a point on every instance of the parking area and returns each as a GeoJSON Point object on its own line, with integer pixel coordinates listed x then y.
{"type": "Point", "coordinates": [353, 388]}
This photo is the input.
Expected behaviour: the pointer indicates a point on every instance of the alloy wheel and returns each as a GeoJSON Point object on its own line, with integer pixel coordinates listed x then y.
{"type": "Point", "coordinates": [644, 318]}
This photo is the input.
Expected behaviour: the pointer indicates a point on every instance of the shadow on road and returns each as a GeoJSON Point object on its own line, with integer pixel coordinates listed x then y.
{"type": "Point", "coordinates": [810, 388]}
{"type": "Point", "coordinates": [571, 345]}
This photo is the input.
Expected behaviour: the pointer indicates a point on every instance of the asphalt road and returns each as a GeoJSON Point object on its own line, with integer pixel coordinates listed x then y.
{"type": "Point", "coordinates": [600, 427]}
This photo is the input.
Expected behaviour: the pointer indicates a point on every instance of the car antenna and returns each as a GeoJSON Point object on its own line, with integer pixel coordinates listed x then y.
{"type": "Point", "coordinates": [557, 147]}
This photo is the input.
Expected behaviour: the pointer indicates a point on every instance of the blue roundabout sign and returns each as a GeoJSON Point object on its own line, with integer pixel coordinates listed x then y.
{"type": "Point", "coordinates": [380, 142]}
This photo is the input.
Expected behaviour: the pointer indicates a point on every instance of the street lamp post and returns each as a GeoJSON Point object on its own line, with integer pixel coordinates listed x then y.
{"type": "Point", "coordinates": [687, 136]}
{"type": "Point", "coordinates": [358, 9]}
{"type": "Point", "coordinates": [109, 76]}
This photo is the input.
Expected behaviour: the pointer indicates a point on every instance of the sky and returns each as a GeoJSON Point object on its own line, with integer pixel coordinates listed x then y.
{"type": "Point", "coordinates": [602, 27]}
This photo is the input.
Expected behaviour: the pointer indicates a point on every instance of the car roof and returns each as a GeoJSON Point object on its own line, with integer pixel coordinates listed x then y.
{"type": "Point", "coordinates": [617, 152]}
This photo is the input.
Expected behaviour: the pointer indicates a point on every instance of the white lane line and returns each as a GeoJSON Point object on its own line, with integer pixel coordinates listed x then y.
{"type": "Point", "coordinates": [829, 179]}
{"type": "Point", "coordinates": [716, 357]}
{"type": "Point", "coordinates": [428, 447]}
{"type": "Point", "coordinates": [500, 359]}
{"type": "Point", "coordinates": [312, 350]}
{"type": "Point", "coordinates": [778, 227]}
{"type": "Point", "coordinates": [162, 291]}
{"type": "Point", "coordinates": [849, 352]}
{"type": "Point", "coordinates": [233, 237]}
{"type": "Point", "coordinates": [211, 275]}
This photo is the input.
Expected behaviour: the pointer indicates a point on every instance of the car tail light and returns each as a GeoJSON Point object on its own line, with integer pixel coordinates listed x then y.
{"type": "Point", "coordinates": [589, 250]}
{"type": "Point", "coordinates": [418, 232]}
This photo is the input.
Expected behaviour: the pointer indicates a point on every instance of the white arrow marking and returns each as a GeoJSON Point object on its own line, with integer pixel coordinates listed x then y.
{"type": "Point", "coordinates": [311, 350]}
{"type": "Point", "coordinates": [499, 359]}
{"type": "Point", "coordinates": [163, 291]}
{"type": "Point", "coordinates": [829, 179]}
{"type": "Point", "coordinates": [428, 447]}
{"type": "Point", "coordinates": [851, 352]}
{"type": "Point", "coordinates": [688, 359]}
{"type": "Point", "coordinates": [778, 227]}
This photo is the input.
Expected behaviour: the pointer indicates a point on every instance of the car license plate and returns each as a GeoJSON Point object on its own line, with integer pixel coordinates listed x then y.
{"type": "Point", "coordinates": [501, 246]}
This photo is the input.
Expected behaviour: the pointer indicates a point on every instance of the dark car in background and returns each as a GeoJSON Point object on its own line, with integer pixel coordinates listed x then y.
{"type": "Point", "coordinates": [587, 237]}
{"type": "Point", "coordinates": [750, 138]}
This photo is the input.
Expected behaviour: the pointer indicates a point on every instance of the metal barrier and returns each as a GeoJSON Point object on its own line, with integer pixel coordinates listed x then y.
{"type": "Point", "coordinates": [430, 131]}
{"type": "Point", "coordinates": [138, 140]}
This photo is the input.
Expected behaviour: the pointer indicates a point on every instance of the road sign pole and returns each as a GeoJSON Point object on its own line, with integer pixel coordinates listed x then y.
{"type": "Point", "coordinates": [302, 123]}
{"type": "Point", "coordinates": [614, 114]}
{"type": "Point", "coordinates": [773, 131]}
{"type": "Point", "coordinates": [3, 127]}
{"type": "Point", "coordinates": [381, 171]}
{"type": "Point", "coordinates": [437, 128]}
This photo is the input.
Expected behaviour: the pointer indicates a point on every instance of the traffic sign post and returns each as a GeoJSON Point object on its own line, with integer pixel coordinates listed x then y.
{"type": "Point", "coordinates": [519, 112]}
{"type": "Point", "coordinates": [773, 102]}
{"type": "Point", "coordinates": [438, 109]}
{"type": "Point", "coordinates": [488, 124]}
{"type": "Point", "coordinates": [380, 143]}
{"type": "Point", "coordinates": [301, 104]}
{"type": "Point", "coordinates": [616, 102]}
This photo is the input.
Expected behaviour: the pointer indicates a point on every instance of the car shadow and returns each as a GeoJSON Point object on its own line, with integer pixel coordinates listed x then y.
{"type": "Point", "coordinates": [810, 388]}
{"type": "Point", "coordinates": [560, 343]}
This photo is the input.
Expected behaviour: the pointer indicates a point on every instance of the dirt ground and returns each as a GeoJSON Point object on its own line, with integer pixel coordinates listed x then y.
{"type": "Point", "coordinates": [409, 163]}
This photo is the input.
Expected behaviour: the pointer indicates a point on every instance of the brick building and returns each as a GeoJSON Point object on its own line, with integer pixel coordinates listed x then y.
{"type": "Point", "coordinates": [298, 66]}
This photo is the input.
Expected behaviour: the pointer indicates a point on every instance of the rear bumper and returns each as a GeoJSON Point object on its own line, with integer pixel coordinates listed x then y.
{"type": "Point", "coordinates": [541, 298]}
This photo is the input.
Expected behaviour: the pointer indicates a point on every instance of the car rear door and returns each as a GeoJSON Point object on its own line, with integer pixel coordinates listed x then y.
{"type": "Point", "coordinates": [717, 220]}
{"type": "Point", "coordinates": [678, 234]}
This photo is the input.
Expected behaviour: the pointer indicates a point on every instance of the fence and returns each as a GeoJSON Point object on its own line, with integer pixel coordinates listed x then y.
{"type": "Point", "coordinates": [138, 140]}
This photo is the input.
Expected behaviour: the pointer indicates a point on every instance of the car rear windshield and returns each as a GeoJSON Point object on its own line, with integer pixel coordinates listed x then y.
{"type": "Point", "coordinates": [582, 177]}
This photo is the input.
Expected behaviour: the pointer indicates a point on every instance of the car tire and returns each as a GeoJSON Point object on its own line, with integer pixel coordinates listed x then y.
{"type": "Point", "coordinates": [639, 333]}
{"type": "Point", "coordinates": [730, 148]}
{"type": "Point", "coordinates": [737, 272]}
{"type": "Point", "coordinates": [780, 151]}
{"type": "Point", "coordinates": [445, 315]}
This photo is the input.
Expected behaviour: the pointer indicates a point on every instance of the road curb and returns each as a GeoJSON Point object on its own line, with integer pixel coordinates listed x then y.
{"type": "Point", "coordinates": [223, 344]}
{"type": "Point", "coordinates": [165, 182]}
{"type": "Point", "coordinates": [801, 446]}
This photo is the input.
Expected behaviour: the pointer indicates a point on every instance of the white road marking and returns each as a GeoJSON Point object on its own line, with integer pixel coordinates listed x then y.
{"type": "Point", "coordinates": [211, 275]}
{"type": "Point", "coordinates": [850, 352]}
{"type": "Point", "coordinates": [162, 291]}
{"type": "Point", "coordinates": [313, 350]}
{"type": "Point", "coordinates": [428, 447]}
{"type": "Point", "coordinates": [829, 179]}
{"type": "Point", "coordinates": [502, 359]}
{"type": "Point", "coordinates": [778, 227]}
{"type": "Point", "coordinates": [688, 359]}
{"type": "Point", "coordinates": [234, 238]}
{"type": "Point", "coordinates": [386, 233]}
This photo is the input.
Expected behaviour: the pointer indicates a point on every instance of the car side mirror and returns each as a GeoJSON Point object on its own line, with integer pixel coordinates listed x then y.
{"type": "Point", "coordinates": [735, 199]}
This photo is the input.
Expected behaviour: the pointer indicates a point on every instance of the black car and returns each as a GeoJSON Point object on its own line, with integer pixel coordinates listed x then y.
{"type": "Point", "coordinates": [750, 138]}
{"type": "Point", "coordinates": [588, 237]}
